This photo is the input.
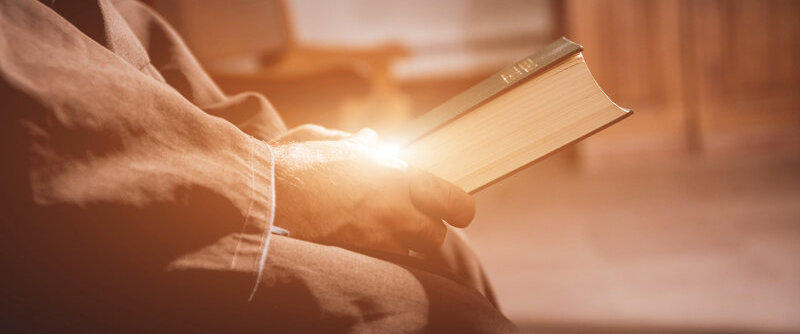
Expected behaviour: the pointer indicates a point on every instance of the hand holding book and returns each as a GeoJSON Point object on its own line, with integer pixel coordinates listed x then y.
{"type": "Point", "coordinates": [372, 200]}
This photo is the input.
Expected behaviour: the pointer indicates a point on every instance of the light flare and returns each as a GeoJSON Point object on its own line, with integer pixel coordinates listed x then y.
{"type": "Point", "coordinates": [389, 153]}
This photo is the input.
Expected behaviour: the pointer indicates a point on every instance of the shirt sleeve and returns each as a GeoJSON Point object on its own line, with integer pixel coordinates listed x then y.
{"type": "Point", "coordinates": [175, 63]}
{"type": "Point", "coordinates": [108, 170]}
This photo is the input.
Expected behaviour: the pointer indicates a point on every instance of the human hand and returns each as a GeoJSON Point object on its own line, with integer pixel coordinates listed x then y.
{"type": "Point", "coordinates": [343, 192]}
{"type": "Point", "coordinates": [308, 132]}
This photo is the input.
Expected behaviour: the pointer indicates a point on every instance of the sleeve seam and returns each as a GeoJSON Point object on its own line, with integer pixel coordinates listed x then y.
{"type": "Point", "coordinates": [269, 217]}
{"type": "Point", "coordinates": [252, 200]}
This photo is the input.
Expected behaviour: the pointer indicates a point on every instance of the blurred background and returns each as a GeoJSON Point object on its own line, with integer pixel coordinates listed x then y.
{"type": "Point", "coordinates": [684, 217]}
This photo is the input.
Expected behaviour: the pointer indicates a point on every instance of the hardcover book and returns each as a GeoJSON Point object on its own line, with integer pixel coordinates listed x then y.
{"type": "Point", "coordinates": [510, 120]}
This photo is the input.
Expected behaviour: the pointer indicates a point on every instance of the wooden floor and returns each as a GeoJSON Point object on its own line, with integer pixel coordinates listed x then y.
{"type": "Point", "coordinates": [670, 244]}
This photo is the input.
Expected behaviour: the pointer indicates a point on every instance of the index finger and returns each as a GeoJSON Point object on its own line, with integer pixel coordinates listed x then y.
{"type": "Point", "coordinates": [307, 132]}
{"type": "Point", "coordinates": [366, 137]}
{"type": "Point", "coordinates": [440, 199]}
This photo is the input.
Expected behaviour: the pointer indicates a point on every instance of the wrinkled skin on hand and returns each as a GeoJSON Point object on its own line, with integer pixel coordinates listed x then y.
{"type": "Point", "coordinates": [335, 188]}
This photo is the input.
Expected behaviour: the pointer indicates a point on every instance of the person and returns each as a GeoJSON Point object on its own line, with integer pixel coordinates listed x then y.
{"type": "Point", "coordinates": [139, 197]}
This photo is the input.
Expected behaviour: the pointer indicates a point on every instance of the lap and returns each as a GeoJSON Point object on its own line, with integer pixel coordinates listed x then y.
{"type": "Point", "coordinates": [307, 286]}
{"type": "Point", "coordinates": [304, 287]}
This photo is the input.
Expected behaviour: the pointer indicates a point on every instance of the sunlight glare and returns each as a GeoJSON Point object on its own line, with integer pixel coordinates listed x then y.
{"type": "Point", "coordinates": [389, 153]}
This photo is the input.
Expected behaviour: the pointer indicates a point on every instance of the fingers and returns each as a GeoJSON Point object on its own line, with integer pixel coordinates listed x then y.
{"type": "Point", "coordinates": [366, 137]}
{"type": "Point", "coordinates": [439, 198]}
{"type": "Point", "coordinates": [308, 132]}
{"type": "Point", "coordinates": [389, 245]}
{"type": "Point", "coordinates": [422, 233]}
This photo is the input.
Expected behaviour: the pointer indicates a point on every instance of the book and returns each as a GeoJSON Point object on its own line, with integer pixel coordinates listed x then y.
{"type": "Point", "coordinates": [510, 120]}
